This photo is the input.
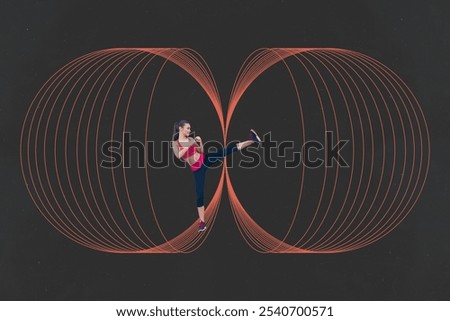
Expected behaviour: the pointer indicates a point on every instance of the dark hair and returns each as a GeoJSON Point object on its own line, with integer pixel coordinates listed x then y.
{"type": "Point", "coordinates": [176, 131]}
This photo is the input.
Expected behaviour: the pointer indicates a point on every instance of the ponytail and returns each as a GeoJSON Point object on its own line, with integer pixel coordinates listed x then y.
{"type": "Point", "coordinates": [175, 131]}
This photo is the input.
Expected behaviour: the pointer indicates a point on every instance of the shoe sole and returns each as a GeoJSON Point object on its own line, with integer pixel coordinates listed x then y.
{"type": "Point", "coordinates": [202, 230]}
{"type": "Point", "coordinates": [257, 137]}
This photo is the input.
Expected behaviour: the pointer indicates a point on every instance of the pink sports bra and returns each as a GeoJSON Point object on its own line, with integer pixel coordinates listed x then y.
{"type": "Point", "coordinates": [191, 151]}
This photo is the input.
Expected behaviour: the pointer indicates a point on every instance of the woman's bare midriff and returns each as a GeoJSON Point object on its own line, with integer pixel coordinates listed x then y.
{"type": "Point", "coordinates": [192, 159]}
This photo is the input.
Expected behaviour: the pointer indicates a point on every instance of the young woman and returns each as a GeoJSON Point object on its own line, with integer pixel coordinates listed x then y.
{"type": "Point", "coordinates": [191, 151]}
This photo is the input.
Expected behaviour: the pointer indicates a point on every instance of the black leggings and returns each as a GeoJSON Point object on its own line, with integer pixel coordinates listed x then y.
{"type": "Point", "coordinates": [200, 174]}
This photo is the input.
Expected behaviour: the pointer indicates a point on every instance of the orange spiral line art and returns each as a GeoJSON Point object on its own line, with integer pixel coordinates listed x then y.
{"type": "Point", "coordinates": [90, 99]}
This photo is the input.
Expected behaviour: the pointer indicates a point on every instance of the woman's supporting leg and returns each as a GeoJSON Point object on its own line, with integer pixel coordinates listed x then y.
{"type": "Point", "coordinates": [201, 213]}
{"type": "Point", "coordinates": [199, 178]}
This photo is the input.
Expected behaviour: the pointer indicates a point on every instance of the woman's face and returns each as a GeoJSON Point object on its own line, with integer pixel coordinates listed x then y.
{"type": "Point", "coordinates": [185, 130]}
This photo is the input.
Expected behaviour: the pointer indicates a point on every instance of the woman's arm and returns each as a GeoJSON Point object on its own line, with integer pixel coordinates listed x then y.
{"type": "Point", "coordinates": [199, 141]}
{"type": "Point", "coordinates": [179, 152]}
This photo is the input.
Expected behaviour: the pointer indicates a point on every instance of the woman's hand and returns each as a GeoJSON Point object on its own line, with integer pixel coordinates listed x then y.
{"type": "Point", "coordinates": [199, 142]}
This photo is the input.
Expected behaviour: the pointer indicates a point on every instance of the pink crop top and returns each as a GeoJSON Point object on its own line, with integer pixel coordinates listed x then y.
{"type": "Point", "coordinates": [191, 151]}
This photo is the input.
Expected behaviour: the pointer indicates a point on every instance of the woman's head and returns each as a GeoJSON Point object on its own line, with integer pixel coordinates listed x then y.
{"type": "Point", "coordinates": [182, 127]}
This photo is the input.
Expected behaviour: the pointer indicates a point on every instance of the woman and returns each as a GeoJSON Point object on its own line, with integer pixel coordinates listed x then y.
{"type": "Point", "coordinates": [191, 151]}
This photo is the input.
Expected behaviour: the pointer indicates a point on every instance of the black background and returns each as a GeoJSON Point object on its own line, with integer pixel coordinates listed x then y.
{"type": "Point", "coordinates": [38, 37]}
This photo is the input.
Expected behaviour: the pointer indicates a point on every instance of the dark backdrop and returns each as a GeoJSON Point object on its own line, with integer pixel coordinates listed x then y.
{"type": "Point", "coordinates": [38, 37]}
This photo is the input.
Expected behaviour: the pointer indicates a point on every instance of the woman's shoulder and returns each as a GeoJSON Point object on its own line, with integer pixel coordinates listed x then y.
{"type": "Point", "coordinates": [184, 141]}
{"type": "Point", "coordinates": [179, 142]}
{"type": "Point", "coordinates": [190, 139]}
